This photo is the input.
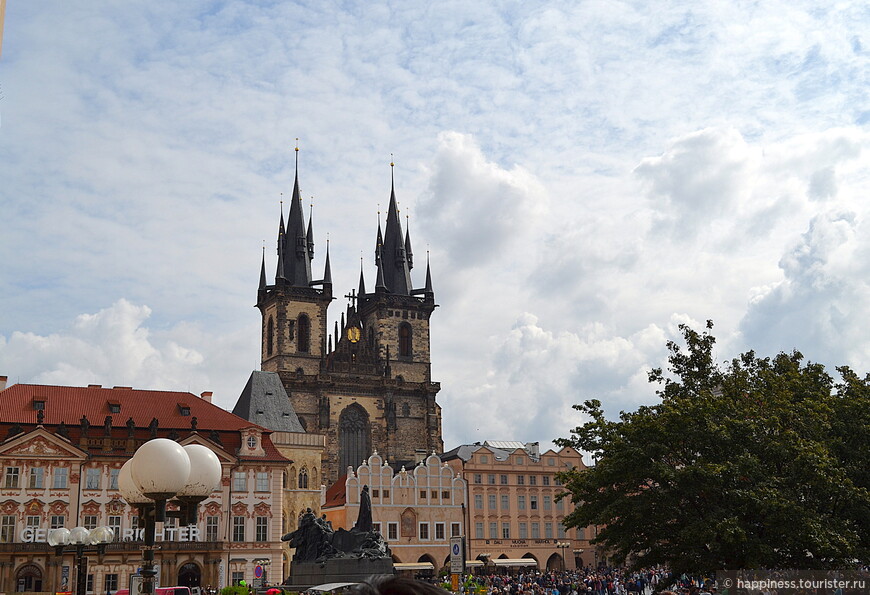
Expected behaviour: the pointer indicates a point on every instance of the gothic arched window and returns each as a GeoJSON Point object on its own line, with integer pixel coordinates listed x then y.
{"type": "Point", "coordinates": [270, 337]}
{"type": "Point", "coordinates": [303, 479]}
{"type": "Point", "coordinates": [353, 436]}
{"type": "Point", "coordinates": [404, 340]}
{"type": "Point", "coordinates": [303, 343]}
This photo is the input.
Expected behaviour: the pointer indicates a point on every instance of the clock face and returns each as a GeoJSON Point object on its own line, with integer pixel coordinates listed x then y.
{"type": "Point", "coordinates": [353, 334]}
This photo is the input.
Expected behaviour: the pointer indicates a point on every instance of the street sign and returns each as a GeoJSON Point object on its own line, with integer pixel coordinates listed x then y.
{"type": "Point", "coordinates": [258, 571]}
{"type": "Point", "coordinates": [457, 555]}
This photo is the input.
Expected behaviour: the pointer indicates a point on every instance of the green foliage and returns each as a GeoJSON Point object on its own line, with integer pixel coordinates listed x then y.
{"type": "Point", "coordinates": [761, 464]}
{"type": "Point", "coordinates": [235, 590]}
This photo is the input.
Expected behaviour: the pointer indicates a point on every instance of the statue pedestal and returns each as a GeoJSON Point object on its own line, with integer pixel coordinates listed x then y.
{"type": "Point", "coordinates": [304, 575]}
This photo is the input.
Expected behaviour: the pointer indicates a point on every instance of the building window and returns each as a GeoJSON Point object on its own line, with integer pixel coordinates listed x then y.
{"type": "Point", "coordinates": [240, 481]}
{"type": "Point", "coordinates": [560, 504]}
{"type": "Point", "coordinates": [110, 583]}
{"type": "Point", "coordinates": [505, 530]}
{"type": "Point", "coordinates": [548, 502]}
{"type": "Point", "coordinates": [7, 528]}
{"type": "Point", "coordinates": [270, 337]}
{"type": "Point", "coordinates": [92, 478]}
{"type": "Point", "coordinates": [581, 533]}
{"type": "Point", "coordinates": [114, 408]}
{"type": "Point", "coordinates": [504, 480]}
{"type": "Point", "coordinates": [57, 521]}
{"type": "Point", "coordinates": [113, 478]}
{"type": "Point", "coordinates": [211, 528]}
{"type": "Point", "coordinates": [376, 527]}
{"type": "Point", "coordinates": [491, 478]}
{"type": "Point", "coordinates": [303, 479]}
{"type": "Point", "coordinates": [60, 478]}
{"type": "Point", "coordinates": [386, 493]}
{"type": "Point", "coordinates": [424, 531]}
{"type": "Point", "coordinates": [354, 436]}
{"type": "Point", "coordinates": [551, 461]}
{"type": "Point", "coordinates": [560, 531]}
{"type": "Point", "coordinates": [548, 530]}
{"type": "Point", "coordinates": [11, 479]}
{"type": "Point", "coordinates": [518, 460]}
{"type": "Point", "coordinates": [376, 494]}
{"type": "Point", "coordinates": [536, 530]}
{"type": "Point", "coordinates": [36, 474]}
{"type": "Point", "coordinates": [491, 499]}
{"type": "Point", "coordinates": [405, 348]}
{"type": "Point", "coordinates": [90, 584]}
{"type": "Point", "coordinates": [262, 532]}
{"type": "Point", "coordinates": [533, 502]}
{"type": "Point", "coordinates": [445, 495]}
{"type": "Point", "coordinates": [262, 481]}
{"type": "Point", "coordinates": [238, 577]}
{"type": "Point", "coordinates": [478, 478]}
{"type": "Point", "coordinates": [439, 531]}
{"type": "Point", "coordinates": [478, 530]}
{"type": "Point", "coordinates": [505, 502]}
{"type": "Point", "coordinates": [493, 530]}
{"type": "Point", "coordinates": [533, 480]}
{"type": "Point", "coordinates": [32, 522]}
{"type": "Point", "coordinates": [238, 528]}
{"type": "Point", "coordinates": [521, 480]}
{"type": "Point", "coordinates": [521, 502]}
{"type": "Point", "coordinates": [90, 521]}
{"type": "Point", "coordinates": [115, 525]}
{"type": "Point", "coordinates": [455, 530]}
{"type": "Point", "coordinates": [545, 480]}
{"type": "Point", "coordinates": [434, 494]}
{"type": "Point", "coordinates": [392, 531]}
{"type": "Point", "coordinates": [303, 341]}
{"type": "Point", "coordinates": [524, 531]}
{"type": "Point", "coordinates": [484, 459]}
{"type": "Point", "coordinates": [422, 494]}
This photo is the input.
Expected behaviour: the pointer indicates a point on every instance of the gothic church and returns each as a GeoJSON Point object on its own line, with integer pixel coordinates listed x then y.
{"type": "Point", "coordinates": [367, 385]}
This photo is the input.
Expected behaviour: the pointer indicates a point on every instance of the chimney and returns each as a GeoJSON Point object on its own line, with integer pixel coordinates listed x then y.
{"type": "Point", "coordinates": [206, 396]}
{"type": "Point", "coordinates": [3, 382]}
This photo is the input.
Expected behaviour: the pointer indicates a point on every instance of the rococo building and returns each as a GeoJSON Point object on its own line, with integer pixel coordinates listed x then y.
{"type": "Point", "coordinates": [61, 451]}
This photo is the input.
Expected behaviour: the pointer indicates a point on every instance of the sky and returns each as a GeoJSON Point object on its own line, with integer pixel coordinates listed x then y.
{"type": "Point", "coordinates": [585, 177]}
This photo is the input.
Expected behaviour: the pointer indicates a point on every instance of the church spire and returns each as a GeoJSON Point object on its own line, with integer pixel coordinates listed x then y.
{"type": "Point", "coordinates": [297, 260]}
{"type": "Point", "coordinates": [327, 270]}
{"type": "Point", "coordinates": [263, 270]}
{"type": "Point", "coordinates": [309, 236]}
{"type": "Point", "coordinates": [408, 253]}
{"type": "Point", "coordinates": [428, 289]}
{"type": "Point", "coordinates": [362, 282]}
{"type": "Point", "coordinates": [394, 261]}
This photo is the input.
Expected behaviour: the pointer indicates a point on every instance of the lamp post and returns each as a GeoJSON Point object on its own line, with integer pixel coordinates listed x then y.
{"type": "Point", "coordinates": [79, 541]}
{"type": "Point", "coordinates": [163, 470]}
{"type": "Point", "coordinates": [563, 547]}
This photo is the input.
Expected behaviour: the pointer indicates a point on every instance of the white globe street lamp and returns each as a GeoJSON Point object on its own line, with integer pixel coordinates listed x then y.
{"type": "Point", "coordinates": [80, 541]}
{"type": "Point", "coordinates": [162, 470]}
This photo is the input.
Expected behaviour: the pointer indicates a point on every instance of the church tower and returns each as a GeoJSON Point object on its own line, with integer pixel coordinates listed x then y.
{"type": "Point", "coordinates": [367, 386]}
{"type": "Point", "coordinates": [294, 308]}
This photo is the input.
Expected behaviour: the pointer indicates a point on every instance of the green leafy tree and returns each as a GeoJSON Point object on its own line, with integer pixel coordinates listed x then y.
{"type": "Point", "coordinates": [762, 463]}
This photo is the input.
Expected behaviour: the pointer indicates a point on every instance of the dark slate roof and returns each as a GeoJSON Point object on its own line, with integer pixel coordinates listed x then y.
{"type": "Point", "coordinates": [265, 402]}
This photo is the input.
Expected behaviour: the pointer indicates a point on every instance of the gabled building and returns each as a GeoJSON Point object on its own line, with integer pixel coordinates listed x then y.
{"type": "Point", "coordinates": [514, 518]}
{"type": "Point", "coordinates": [61, 449]}
{"type": "Point", "coordinates": [366, 386]}
{"type": "Point", "coordinates": [416, 510]}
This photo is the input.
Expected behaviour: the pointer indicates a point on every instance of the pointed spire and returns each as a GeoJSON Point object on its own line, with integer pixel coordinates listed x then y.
{"type": "Point", "coordinates": [310, 235]}
{"type": "Point", "coordinates": [362, 282]}
{"type": "Point", "coordinates": [394, 261]}
{"type": "Point", "coordinates": [380, 241]}
{"type": "Point", "coordinates": [329, 347]}
{"type": "Point", "coordinates": [263, 270]}
{"type": "Point", "coordinates": [428, 288]}
{"type": "Point", "coordinates": [336, 333]}
{"type": "Point", "coordinates": [408, 253]}
{"type": "Point", "coordinates": [380, 286]}
{"type": "Point", "coordinates": [327, 270]}
{"type": "Point", "coordinates": [343, 323]}
{"type": "Point", "coordinates": [297, 260]}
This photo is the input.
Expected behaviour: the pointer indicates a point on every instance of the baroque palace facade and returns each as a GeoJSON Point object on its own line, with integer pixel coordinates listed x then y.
{"type": "Point", "coordinates": [61, 451]}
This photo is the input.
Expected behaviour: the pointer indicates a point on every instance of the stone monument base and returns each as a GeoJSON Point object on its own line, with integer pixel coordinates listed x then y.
{"type": "Point", "coordinates": [304, 575]}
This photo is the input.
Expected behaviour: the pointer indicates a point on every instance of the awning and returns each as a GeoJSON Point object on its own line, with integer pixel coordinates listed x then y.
{"type": "Point", "coordinates": [515, 562]}
{"type": "Point", "coordinates": [473, 563]}
{"type": "Point", "coordinates": [330, 586]}
{"type": "Point", "coordinates": [414, 566]}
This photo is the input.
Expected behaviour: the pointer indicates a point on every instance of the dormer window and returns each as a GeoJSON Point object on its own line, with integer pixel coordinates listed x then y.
{"type": "Point", "coordinates": [39, 405]}
{"type": "Point", "coordinates": [252, 442]}
{"type": "Point", "coordinates": [184, 409]}
{"type": "Point", "coordinates": [114, 407]}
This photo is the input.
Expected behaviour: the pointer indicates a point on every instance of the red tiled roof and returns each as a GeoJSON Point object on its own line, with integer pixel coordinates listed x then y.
{"type": "Point", "coordinates": [336, 495]}
{"type": "Point", "coordinates": [67, 404]}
